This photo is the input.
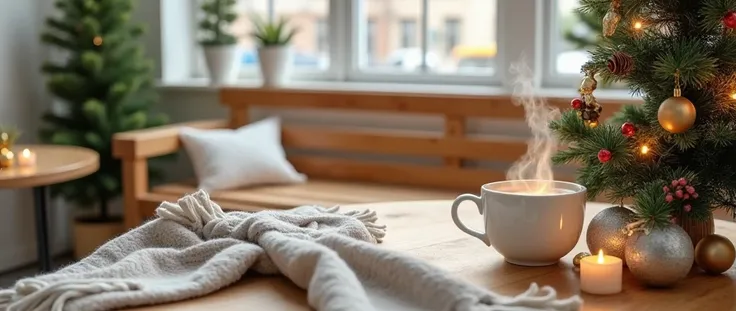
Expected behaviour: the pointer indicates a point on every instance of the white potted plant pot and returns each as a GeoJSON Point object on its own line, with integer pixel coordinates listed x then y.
{"type": "Point", "coordinates": [223, 63]}
{"type": "Point", "coordinates": [276, 62]}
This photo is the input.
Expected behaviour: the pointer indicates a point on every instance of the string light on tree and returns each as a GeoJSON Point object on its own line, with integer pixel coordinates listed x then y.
{"type": "Point", "coordinates": [733, 95]}
{"type": "Point", "coordinates": [97, 41]}
{"type": "Point", "coordinates": [644, 149]}
{"type": "Point", "coordinates": [638, 25]}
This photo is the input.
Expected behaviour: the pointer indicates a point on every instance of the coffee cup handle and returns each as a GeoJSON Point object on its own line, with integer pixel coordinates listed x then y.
{"type": "Point", "coordinates": [478, 202]}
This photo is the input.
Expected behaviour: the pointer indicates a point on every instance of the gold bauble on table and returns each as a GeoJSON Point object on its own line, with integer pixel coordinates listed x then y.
{"type": "Point", "coordinates": [576, 260]}
{"type": "Point", "coordinates": [676, 114]}
{"type": "Point", "coordinates": [715, 254]}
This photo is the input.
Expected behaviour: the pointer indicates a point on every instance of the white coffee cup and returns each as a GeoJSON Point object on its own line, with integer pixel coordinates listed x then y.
{"type": "Point", "coordinates": [528, 228]}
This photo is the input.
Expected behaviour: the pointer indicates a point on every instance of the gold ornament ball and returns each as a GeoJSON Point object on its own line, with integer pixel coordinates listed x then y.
{"type": "Point", "coordinates": [715, 254]}
{"type": "Point", "coordinates": [576, 260]}
{"type": "Point", "coordinates": [676, 114]}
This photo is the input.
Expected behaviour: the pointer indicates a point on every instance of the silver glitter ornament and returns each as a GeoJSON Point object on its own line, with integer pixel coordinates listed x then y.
{"type": "Point", "coordinates": [660, 258]}
{"type": "Point", "coordinates": [607, 231]}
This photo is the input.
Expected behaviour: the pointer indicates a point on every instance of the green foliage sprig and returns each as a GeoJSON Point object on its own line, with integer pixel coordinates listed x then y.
{"type": "Point", "coordinates": [218, 15]}
{"type": "Point", "coordinates": [272, 34]}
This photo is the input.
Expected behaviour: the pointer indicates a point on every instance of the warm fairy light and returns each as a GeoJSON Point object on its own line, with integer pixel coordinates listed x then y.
{"type": "Point", "coordinates": [644, 149]}
{"type": "Point", "coordinates": [9, 155]}
{"type": "Point", "coordinates": [4, 151]}
{"type": "Point", "coordinates": [637, 25]}
{"type": "Point", "coordinates": [4, 136]}
{"type": "Point", "coordinates": [600, 257]}
{"type": "Point", "coordinates": [26, 153]}
{"type": "Point", "coordinates": [97, 41]}
{"type": "Point", "coordinates": [733, 95]}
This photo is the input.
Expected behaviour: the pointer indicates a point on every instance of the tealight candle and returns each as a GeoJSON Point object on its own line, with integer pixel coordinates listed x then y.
{"type": "Point", "coordinates": [601, 275]}
{"type": "Point", "coordinates": [27, 158]}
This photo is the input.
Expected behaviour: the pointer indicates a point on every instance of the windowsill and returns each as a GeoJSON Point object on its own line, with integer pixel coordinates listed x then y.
{"type": "Point", "coordinates": [443, 89]}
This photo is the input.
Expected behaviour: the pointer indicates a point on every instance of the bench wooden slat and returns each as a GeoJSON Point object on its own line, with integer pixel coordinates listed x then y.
{"type": "Point", "coordinates": [416, 143]}
{"type": "Point", "coordinates": [247, 196]}
{"type": "Point", "coordinates": [394, 173]}
{"type": "Point", "coordinates": [484, 106]}
{"type": "Point", "coordinates": [356, 192]}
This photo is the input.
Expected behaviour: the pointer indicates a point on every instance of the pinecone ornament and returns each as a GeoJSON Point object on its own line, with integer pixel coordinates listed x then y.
{"type": "Point", "coordinates": [620, 64]}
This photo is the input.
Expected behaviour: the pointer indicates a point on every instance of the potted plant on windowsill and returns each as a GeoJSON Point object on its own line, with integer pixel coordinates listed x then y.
{"type": "Point", "coordinates": [220, 46]}
{"type": "Point", "coordinates": [274, 51]}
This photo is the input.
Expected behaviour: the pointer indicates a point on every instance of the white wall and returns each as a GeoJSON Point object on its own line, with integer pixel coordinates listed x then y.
{"type": "Point", "coordinates": [22, 98]}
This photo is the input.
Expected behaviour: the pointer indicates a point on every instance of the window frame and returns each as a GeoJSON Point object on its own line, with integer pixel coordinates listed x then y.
{"type": "Point", "coordinates": [516, 35]}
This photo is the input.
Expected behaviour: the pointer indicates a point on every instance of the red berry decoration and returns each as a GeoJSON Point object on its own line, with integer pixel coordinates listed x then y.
{"type": "Point", "coordinates": [628, 129]}
{"type": "Point", "coordinates": [604, 155]}
{"type": "Point", "coordinates": [729, 20]}
{"type": "Point", "coordinates": [577, 103]}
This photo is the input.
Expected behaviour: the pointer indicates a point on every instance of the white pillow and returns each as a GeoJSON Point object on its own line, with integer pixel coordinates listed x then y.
{"type": "Point", "coordinates": [251, 155]}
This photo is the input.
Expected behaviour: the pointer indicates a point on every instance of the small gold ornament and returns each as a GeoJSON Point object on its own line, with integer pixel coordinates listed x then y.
{"type": "Point", "coordinates": [715, 254]}
{"type": "Point", "coordinates": [612, 18]}
{"type": "Point", "coordinates": [6, 159]}
{"type": "Point", "coordinates": [587, 106]}
{"type": "Point", "coordinates": [97, 41]}
{"type": "Point", "coordinates": [676, 114]}
{"type": "Point", "coordinates": [578, 257]}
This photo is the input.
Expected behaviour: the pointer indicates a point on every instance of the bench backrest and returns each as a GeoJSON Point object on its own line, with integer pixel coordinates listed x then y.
{"type": "Point", "coordinates": [452, 145]}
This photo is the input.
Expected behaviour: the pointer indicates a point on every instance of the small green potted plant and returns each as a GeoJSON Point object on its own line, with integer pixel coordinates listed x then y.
{"type": "Point", "coordinates": [274, 51]}
{"type": "Point", "coordinates": [220, 46]}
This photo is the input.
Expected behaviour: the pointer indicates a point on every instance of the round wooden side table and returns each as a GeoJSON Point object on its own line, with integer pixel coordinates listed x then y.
{"type": "Point", "coordinates": [54, 164]}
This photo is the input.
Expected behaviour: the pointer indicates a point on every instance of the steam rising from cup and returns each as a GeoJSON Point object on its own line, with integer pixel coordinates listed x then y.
{"type": "Point", "coordinates": [533, 173]}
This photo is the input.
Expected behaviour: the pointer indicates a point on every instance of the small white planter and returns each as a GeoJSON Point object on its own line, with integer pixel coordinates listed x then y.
{"type": "Point", "coordinates": [276, 63]}
{"type": "Point", "coordinates": [223, 63]}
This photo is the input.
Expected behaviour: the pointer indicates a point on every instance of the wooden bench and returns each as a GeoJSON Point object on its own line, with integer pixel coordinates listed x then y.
{"type": "Point", "coordinates": [335, 178]}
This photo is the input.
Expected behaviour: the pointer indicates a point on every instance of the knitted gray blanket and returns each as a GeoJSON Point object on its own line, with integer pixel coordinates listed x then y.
{"type": "Point", "coordinates": [194, 248]}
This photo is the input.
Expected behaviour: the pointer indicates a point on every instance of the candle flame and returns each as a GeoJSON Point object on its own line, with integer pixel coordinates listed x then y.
{"type": "Point", "coordinates": [600, 256]}
{"type": "Point", "coordinates": [26, 153]}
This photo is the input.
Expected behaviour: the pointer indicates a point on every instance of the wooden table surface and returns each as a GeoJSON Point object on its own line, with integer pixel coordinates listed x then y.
{"type": "Point", "coordinates": [424, 229]}
{"type": "Point", "coordinates": [54, 164]}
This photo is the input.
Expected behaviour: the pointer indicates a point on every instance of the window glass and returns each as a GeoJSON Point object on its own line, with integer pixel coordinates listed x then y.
{"type": "Point", "coordinates": [576, 34]}
{"type": "Point", "coordinates": [461, 36]}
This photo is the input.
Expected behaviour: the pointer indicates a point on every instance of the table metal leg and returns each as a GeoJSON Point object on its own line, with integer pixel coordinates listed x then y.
{"type": "Point", "coordinates": [42, 235]}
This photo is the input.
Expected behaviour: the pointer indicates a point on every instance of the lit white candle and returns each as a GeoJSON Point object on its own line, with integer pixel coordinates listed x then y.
{"type": "Point", "coordinates": [601, 274]}
{"type": "Point", "coordinates": [27, 158]}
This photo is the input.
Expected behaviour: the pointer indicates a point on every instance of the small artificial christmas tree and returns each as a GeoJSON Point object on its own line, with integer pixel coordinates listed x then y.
{"type": "Point", "coordinates": [675, 154]}
{"type": "Point", "coordinates": [104, 85]}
